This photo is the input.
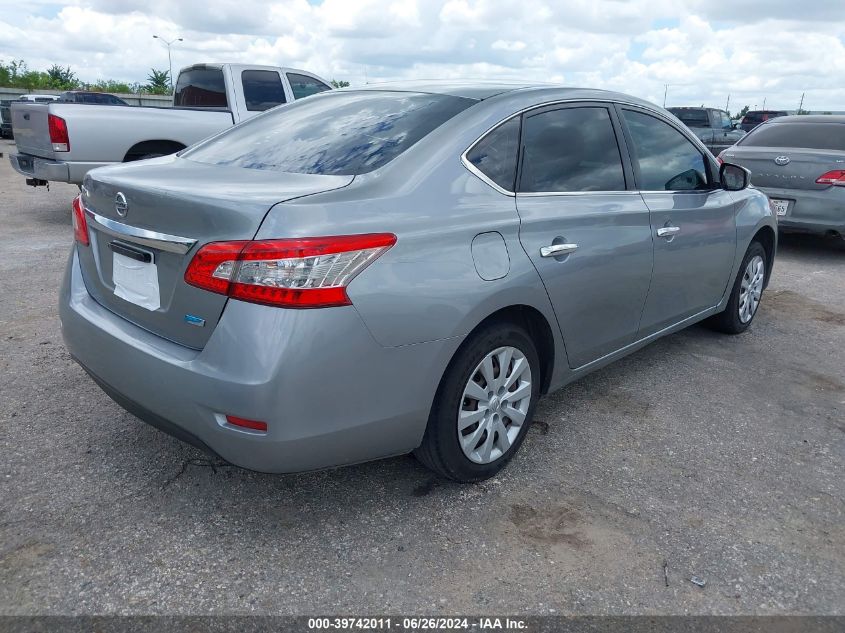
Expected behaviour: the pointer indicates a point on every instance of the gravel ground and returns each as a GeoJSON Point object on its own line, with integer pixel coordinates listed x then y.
{"type": "Point", "coordinates": [722, 456]}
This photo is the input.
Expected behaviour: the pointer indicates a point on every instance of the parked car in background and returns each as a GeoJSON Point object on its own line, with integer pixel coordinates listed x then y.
{"type": "Point", "coordinates": [34, 98]}
{"type": "Point", "coordinates": [711, 125]}
{"type": "Point", "coordinates": [84, 96]}
{"type": "Point", "coordinates": [753, 118]}
{"type": "Point", "coordinates": [404, 267]}
{"type": "Point", "coordinates": [799, 162]}
{"type": "Point", "coordinates": [62, 142]}
{"type": "Point", "coordinates": [5, 119]}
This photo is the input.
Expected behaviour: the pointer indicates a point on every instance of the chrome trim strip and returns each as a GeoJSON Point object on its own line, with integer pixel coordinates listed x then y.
{"type": "Point", "coordinates": [479, 174]}
{"type": "Point", "coordinates": [534, 194]}
{"type": "Point", "coordinates": [153, 239]}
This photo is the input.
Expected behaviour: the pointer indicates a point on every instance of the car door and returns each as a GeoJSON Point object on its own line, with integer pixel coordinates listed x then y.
{"type": "Point", "coordinates": [692, 219]}
{"type": "Point", "coordinates": [583, 226]}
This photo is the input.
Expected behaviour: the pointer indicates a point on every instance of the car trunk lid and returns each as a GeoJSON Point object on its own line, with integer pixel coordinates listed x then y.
{"type": "Point", "coordinates": [159, 213]}
{"type": "Point", "coordinates": [31, 129]}
{"type": "Point", "coordinates": [785, 168]}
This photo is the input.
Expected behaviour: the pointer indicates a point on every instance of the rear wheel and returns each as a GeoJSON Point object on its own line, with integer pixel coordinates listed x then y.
{"type": "Point", "coordinates": [484, 405]}
{"type": "Point", "coordinates": [746, 293]}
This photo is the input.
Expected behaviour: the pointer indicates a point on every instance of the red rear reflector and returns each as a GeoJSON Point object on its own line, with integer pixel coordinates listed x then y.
{"type": "Point", "coordinates": [58, 133]}
{"type": "Point", "coordinates": [309, 272]}
{"type": "Point", "coordinates": [80, 225]}
{"type": "Point", "coordinates": [835, 177]}
{"type": "Point", "coordinates": [247, 424]}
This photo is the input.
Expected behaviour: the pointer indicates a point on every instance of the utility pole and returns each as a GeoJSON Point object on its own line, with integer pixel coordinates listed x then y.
{"type": "Point", "coordinates": [728, 104]}
{"type": "Point", "coordinates": [665, 90]}
{"type": "Point", "coordinates": [764, 103]}
{"type": "Point", "coordinates": [169, 61]}
{"type": "Point", "coordinates": [801, 105]}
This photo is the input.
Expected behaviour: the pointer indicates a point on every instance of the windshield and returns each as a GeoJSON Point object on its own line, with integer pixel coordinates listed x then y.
{"type": "Point", "coordinates": [804, 135]}
{"type": "Point", "coordinates": [336, 133]}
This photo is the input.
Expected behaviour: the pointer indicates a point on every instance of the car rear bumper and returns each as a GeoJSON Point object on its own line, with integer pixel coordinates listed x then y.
{"type": "Point", "coordinates": [811, 211]}
{"type": "Point", "coordinates": [330, 394]}
{"type": "Point", "coordinates": [51, 170]}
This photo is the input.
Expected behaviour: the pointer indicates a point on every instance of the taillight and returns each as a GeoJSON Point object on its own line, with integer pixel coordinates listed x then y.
{"type": "Point", "coordinates": [58, 133]}
{"type": "Point", "coordinates": [719, 158]}
{"type": "Point", "coordinates": [309, 272]}
{"type": "Point", "coordinates": [835, 177]}
{"type": "Point", "coordinates": [80, 226]}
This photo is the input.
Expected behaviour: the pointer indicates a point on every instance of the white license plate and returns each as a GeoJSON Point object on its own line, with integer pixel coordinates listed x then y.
{"type": "Point", "coordinates": [780, 206]}
{"type": "Point", "coordinates": [136, 282]}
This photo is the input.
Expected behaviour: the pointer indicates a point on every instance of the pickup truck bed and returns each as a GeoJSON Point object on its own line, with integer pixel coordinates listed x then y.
{"type": "Point", "coordinates": [64, 141]}
{"type": "Point", "coordinates": [94, 133]}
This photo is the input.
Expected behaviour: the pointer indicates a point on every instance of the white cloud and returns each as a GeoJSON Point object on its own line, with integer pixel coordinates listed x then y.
{"type": "Point", "coordinates": [756, 50]}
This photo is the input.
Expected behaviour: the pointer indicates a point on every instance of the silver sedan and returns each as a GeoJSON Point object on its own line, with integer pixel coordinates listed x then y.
{"type": "Point", "coordinates": [799, 162]}
{"type": "Point", "coordinates": [371, 272]}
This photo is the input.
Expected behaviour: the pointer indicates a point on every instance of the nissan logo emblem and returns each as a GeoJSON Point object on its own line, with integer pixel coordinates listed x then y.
{"type": "Point", "coordinates": [120, 204]}
{"type": "Point", "coordinates": [782, 160]}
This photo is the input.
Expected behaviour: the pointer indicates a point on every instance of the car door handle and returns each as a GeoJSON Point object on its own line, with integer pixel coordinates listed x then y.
{"type": "Point", "coordinates": [556, 250]}
{"type": "Point", "coordinates": [668, 231]}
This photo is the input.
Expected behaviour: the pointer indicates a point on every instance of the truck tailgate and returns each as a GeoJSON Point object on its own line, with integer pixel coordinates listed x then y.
{"type": "Point", "coordinates": [32, 135]}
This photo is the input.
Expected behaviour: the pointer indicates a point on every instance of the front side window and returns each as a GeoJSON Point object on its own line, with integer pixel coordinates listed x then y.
{"type": "Point", "coordinates": [496, 154]}
{"type": "Point", "coordinates": [262, 89]}
{"type": "Point", "coordinates": [339, 133]}
{"type": "Point", "coordinates": [571, 149]}
{"type": "Point", "coordinates": [798, 134]}
{"type": "Point", "coordinates": [201, 88]}
{"type": "Point", "coordinates": [667, 160]}
{"type": "Point", "coordinates": [305, 86]}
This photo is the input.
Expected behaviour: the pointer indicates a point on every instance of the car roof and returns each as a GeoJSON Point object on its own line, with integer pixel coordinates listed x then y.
{"type": "Point", "coordinates": [480, 90]}
{"type": "Point", "coordinates": [808, 118]}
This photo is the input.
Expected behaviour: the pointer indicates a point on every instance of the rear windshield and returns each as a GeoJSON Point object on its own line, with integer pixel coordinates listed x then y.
{"type": "Point", "coordinates": [201, 87]}
{"type": "Point", "coordinates": [806, 135]}
{"type": "Point", "coordinates": [343, 133]}
{"type": "Point", "coordinates": [691, 118]}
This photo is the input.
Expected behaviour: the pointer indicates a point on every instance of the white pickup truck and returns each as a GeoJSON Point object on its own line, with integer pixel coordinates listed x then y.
{"type": "Point", "coordinates": [63, 141]}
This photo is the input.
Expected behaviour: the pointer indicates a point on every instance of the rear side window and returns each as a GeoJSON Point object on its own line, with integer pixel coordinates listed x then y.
{"type": "Point", "coordinates": [805, 135]}
{"type": "Point", "coordinates": [667, 160]}
{"type": "Point", "coordinates": [304, 86]}
{"type": "Point", "coordinates": [262, 89]}
{"type": "Point", "coordinates": [340, 133]}
{"type": "Point", "coordinates": [202, 88]}
{"type": "Point", "coordinates": [496, 154]}
{"type": "Point", "coordinates": [571, 149]}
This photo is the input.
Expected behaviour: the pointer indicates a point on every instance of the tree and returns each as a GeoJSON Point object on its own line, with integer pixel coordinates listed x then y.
{"type": "Point", "coordinates": [339, 84]}
{"type": "Point", "coordinates": [744, 111]}
{"type": "Point", "coordinates": [60, 78]}
{"type": "Point", "coordinates": [159, 82]}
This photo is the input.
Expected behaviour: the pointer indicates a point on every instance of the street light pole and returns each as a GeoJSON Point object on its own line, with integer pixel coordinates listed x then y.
{"type": "Point", "coordinates": [169, 60]}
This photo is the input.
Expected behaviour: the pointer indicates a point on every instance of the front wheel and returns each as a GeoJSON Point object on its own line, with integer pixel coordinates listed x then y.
{"type": "Point", "coordinates": [484, 405]}
{"type": "Point", "coordinates": [746, 293]}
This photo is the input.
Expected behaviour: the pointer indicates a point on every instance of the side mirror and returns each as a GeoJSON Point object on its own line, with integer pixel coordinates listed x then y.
{"type": "Point", "coordinates": [733, 177]}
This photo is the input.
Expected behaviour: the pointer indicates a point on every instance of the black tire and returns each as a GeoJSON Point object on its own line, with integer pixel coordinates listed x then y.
{"type": "Point", "coordinates": [440, 449]}
{"type": "Point", "coordinates": [728, 321]}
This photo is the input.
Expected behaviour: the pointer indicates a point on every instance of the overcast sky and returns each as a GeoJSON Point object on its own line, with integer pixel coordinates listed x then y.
{"type": "Point", "coordinates": [705, 50]}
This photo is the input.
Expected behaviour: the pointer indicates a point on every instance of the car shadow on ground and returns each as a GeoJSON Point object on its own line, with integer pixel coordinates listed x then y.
{"type": "Point", "coordinates": [813, 245]}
